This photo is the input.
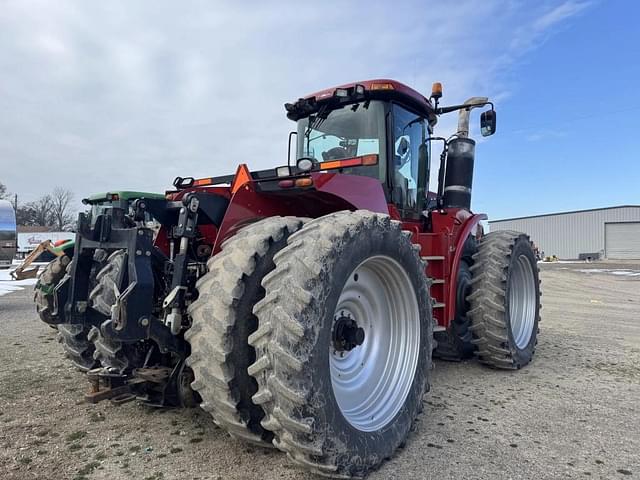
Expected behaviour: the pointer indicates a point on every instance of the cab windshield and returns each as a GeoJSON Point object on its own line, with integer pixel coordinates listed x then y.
{"type": "Point", "coordinates": [351, 131]}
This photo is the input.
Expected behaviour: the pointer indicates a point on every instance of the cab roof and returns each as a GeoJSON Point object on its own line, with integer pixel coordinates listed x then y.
{"type": "Point", "coordinates": [381, 88]}
{"type": "Point", "coordinates": [116, 195]}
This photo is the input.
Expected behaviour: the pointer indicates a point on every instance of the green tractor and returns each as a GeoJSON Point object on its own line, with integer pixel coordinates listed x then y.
{"type": "Point", "coordinates": [84, 345]}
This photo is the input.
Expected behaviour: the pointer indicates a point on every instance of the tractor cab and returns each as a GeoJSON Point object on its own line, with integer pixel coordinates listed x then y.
{"type": "Point", "coordinates": [383, 121]}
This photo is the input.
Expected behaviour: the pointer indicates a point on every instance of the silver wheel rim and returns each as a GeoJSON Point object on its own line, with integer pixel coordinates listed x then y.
{"type": "Point", "coordinates": [522, 301]}
{"type": "Point", "coordinates": [372, 381]}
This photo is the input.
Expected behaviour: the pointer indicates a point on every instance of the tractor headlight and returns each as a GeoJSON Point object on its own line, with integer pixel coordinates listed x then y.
{"type": "Point", "coordinates": [304, 164]}
{"type": "Point", "coordinates": [283, 171]}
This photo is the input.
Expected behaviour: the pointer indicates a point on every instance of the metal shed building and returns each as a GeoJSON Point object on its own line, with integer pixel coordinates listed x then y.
{"type": "Point", "coordinates": [612, 232]}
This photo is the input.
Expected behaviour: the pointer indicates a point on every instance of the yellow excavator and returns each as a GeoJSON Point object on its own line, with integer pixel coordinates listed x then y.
{"type": "Point", "coordinates": [23, 272]}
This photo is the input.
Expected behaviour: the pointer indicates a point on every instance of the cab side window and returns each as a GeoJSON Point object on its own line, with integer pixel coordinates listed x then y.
{"type": "Point", "coordinates": [410, 158]}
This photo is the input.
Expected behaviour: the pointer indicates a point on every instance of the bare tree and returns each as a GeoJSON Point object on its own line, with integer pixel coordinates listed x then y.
{"type": "Point", "coordinates": [25, 215]}
{"type": "Point", "coordinates": [61, 209]}
{"type": "Point", "coordinates": [3, 191]}
{"type": "Point", "coordinates": [41, 210]}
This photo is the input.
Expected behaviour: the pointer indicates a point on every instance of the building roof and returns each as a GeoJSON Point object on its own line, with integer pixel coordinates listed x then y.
{"type": "Point", "coordinates": [563, 213]}
{"type": "Point", "coordinates": [33, 229]}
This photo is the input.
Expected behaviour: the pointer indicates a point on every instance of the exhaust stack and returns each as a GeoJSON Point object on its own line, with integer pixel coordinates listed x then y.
{"type": "Point", "coordinates": [463, 116]}
{"type": "Point", "coordinates": [459, 173]}
{"type": "Point", "coordinates": [460, 157]}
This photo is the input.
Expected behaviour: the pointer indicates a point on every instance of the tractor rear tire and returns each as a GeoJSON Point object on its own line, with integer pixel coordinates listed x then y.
{"type": "Point", "coordinates": [346, 318]}
{"type": "Point", "coordinates": [222, 320]}
{"type": "Point", "coordinates": [505, 300]}
{"type": "Point", "coordinates": [456, 344]}
{"type": "Point", "coordinates": [74, 338]}
{"type": "Point", "coordinates": [77, 346]}
{"type": "Point", "coordinates": [103, 295]}
{"type": "Point", "coordinates": [117, 356]}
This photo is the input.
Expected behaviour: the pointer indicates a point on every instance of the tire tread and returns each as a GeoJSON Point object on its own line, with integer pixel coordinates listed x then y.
{"type": "Point", "coordinates": [214, 314]}
{"type": "Point", "coordinates": [488, 314]}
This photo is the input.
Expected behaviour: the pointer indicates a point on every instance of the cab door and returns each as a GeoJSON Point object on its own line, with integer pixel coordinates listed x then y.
{"type": "Point", "coordinates": [409, 161]}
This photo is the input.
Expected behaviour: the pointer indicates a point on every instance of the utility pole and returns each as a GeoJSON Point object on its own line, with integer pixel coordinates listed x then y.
{"type": "Point", "coordinates": [15, 202]}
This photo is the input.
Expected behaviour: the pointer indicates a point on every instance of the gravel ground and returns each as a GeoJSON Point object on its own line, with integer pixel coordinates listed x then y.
{"type": "Point", "coordinates": [573, 413]}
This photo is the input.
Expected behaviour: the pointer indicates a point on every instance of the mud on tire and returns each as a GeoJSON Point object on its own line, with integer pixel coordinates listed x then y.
{"type": "Point", "coordinates": [223, 319]}
{"type": "Point", "coordinates": [505, 300]}
{"type": "Point", "coordinates": [295, 343]}
{"type": "Point", "coordinates": [73, 338]}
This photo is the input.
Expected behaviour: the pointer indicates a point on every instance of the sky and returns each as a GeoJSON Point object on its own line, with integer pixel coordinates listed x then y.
{"type": "Point", "coordinates": [98, 96]}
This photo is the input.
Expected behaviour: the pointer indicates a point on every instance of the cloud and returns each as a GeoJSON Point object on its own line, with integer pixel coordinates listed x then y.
{"type": "Point", "coordinates": [103, 95]}
{"type": "Point", "coordinates": [559, 14]}
{"type": "Point", "coordinates": [533, 33]}
{"type": "Point", "coordinates": [545, 134]}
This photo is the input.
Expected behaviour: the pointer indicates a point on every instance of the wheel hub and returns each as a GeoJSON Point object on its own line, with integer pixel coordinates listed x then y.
{"type": "Point", "coordinates": [522, 301]}
{"type": "Point", "coordinates": [347, 335]}
{"type": "Point", "coordinates": [375, 343]}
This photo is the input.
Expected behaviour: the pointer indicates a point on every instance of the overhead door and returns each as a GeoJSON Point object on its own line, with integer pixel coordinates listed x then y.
{"type": "Point", "coordinates": [622, 240]}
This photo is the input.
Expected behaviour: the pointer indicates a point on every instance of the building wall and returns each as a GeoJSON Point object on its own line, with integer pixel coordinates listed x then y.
{"type": "Point", "coordinates": [569, 234]}
{"type": "Point", "coordinates": [29, 241]}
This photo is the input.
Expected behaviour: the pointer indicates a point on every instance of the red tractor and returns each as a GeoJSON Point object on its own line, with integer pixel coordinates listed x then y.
{"type": "Point", "coordinates": [301, 305]}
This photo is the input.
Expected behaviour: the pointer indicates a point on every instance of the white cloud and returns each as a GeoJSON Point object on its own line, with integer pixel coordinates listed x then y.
{"type": "Point", "coordinates": [129, 95]}
{"type": "Point", "coordinates": [531, 34]}
{"type": "Point", "coordinates": [558, 14]}
{"type": "Point", "coordinates": [545, 134]}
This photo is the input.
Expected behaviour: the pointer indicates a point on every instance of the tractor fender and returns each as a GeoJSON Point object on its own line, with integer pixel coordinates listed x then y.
{"type": "Point", "coordinates": [467, 229]}
{"type": "Point", "coordinates": [364, 193]}
{"type": "Point", "coordinates": [331, 192]}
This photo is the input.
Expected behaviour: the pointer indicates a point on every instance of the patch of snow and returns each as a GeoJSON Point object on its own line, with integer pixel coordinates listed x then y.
{"type": "Point", "coordinates": [629, 273]}
{"type": "Point", "coordinates": [8, 285]}
{"type": "Point", "coordinates": [17, 262]}
{"type": "Point", "coordinates": [563, 261]}
{"type": "Point", "coordinates": [625, 272]}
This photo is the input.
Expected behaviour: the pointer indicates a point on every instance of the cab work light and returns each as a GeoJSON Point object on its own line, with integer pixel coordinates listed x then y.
{"type": "Point", "coordinates": [305, 164]}
{"type": "Point", "coordinates": [283, 171]}
{"type": "Point", "coordinates": [381, 86]}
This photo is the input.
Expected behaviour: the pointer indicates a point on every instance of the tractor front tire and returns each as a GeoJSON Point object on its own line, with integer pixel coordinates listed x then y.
{"type": "Point", "coordinates": [505, 300]}
{"type": "Point", "coordinates": [73, 338]}
{"type": "Point", "coordinates": [456, 344]}
{"type": "Point", "coordinates": [53, 273]}
{"type": "Point", "coordinates": [222, 320]}
{"type": "Point", "coordinates": [344, 343]}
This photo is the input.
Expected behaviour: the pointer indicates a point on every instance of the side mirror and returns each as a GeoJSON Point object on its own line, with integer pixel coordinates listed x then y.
{"type": "Point", "coordinates": [488, 123]}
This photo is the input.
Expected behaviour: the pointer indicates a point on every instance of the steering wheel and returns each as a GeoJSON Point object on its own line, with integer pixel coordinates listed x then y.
{"type": "Point", "coordinates": [335, 153]}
